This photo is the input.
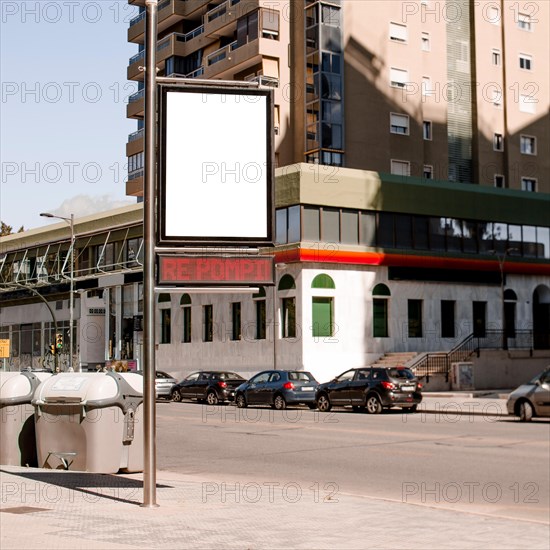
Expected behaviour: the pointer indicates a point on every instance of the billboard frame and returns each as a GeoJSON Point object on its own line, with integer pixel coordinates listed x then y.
{"type": "Point", "coordinates": [218, 241]}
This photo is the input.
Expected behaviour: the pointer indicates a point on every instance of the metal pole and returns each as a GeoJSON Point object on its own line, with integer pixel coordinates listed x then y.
{"type": "Point", "coordinates": [501, 264]}
{"type": "Point", "coordinates": [71, 298]}
{"type": "Point", "coordinates": [275, 324]}
{"type": "Point", "coordinates": [149, 194]}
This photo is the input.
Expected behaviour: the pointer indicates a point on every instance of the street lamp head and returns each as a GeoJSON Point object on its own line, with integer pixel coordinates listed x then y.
{"type": "Point", "coordinates": [47, 215]}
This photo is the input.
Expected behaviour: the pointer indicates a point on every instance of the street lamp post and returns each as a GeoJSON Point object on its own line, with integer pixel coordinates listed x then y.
{"type": "Point", "coordinates": [70, 221]}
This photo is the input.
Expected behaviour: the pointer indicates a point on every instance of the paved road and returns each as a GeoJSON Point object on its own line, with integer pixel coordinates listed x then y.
{"type": "Point", "coordinates": [480, 464]}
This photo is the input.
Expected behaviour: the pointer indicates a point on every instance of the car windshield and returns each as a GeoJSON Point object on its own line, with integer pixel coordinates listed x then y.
{"type": "Point", "coordinates": [301, 376]}
{"type": "Point", "coordinates": [544, 377]}
{"type": "Point", "coordinates": [405, 374]}
{"type": "Point", "coordinates": [161, 374]}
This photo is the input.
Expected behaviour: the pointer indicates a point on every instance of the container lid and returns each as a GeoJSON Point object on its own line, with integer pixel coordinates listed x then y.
{"type": "Point", "coordinates": [18, 387]}
{"type": "Point", "coordinates": [93, 389]}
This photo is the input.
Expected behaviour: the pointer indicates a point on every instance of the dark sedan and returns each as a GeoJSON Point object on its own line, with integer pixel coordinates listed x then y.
{"type": "Point", "coordinates": [371, 389]}
{"type": "Point", "coordinates": [278, 388]}
{"type": "Point", "coordinates": [211, 386]}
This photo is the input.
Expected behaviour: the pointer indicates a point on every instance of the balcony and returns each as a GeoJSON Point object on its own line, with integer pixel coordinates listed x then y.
{"type": "Point", "coordinates": [135, 143]}
{"type": "Point", "coordinates": [173, 44]}
{"type": "Point", "coordinates": [266, 81]}
{"type": "Point", "coordinates": [136, 105]}
{"type": "Point", "coordinates": [169, 13]}
{"type": "Point", "coordinates": [221, 20]}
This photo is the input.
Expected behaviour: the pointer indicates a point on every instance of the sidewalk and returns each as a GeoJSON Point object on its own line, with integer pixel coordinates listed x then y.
{"type": "Point", "coordinates": [44, 509]}
{"type": "Point", "coordinates": [477, 403]}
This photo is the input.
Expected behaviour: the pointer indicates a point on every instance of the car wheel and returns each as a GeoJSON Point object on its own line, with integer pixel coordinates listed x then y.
{"type": "Point", "coordinates": [525, 411]}
{"type": "Point", "coordinates": [176, 396]}
{"type": "Point", "coordinates": [212, 398]}
{"type": "Point", "coordinates": [279, 403]}
{"type": "Point", "coordinates": [241, 401]}
{"type": "Point", "coordinates": [323, 403]}
{"type": "Point", "coordinates": [373, 405]}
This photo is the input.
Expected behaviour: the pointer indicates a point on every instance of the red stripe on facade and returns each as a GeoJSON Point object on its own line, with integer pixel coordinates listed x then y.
{"type": "Point", "coordinates": [327, 255]}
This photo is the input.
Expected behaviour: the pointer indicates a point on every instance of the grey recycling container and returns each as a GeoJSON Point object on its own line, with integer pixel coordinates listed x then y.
{"type": "Point", "coordinates": [91, 422]}
{"type": "Point", "coordinates": [17, 435]}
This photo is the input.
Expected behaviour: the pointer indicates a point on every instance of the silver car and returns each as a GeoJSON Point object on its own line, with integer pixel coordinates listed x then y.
{"type": "Point", "coordinates": [531, 399]}
{"type": "Point", "coordinates": [163, 384]}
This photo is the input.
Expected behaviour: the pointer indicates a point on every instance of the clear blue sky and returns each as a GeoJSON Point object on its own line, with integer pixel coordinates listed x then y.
{"type": "Point", "coordinates": [63, 107]}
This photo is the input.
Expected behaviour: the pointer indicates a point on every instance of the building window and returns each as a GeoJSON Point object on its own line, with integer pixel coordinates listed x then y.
{"type": "Point", "coordinates": [525, 62]}
{"type": "Point", "coordinates": [498, 143]}
{"type": "Point", "coordinates": [447, 319]}
{"type": "Point", "coordinates": [186, 338]}
{"type": "Point", "coordinates": [400, 167]}
{"type": "Point", "coordinates": [185, 302]}
{"type": "Point", "coordinates": [496, 96]}
{"type": "Point", "coordinates": [270, 24]}
{"type": "Point", "coordinates": [499, 181]}
{"type": "Point", "coordinates": [496, 58]}
{"type": "Point", "coordinates": [398, 77]}
{"type": "Point", "coordinates": [381, 294]}
{"type": "Point", "coordinates": [398, 33]}
{"type": "Point", "coordinates": [236, 321]}
{"type": "Point", "coordinates": [427, 130]}
{"type": "Point", "coordinates": [322, 316]}
{"type": "Point", "coordinates": [528, 145]}
{"type": "Point", "coordinates": [427, 172]}
{"type": "Point", "coordinates": [493, 15]}
{"type": "Point", "coordinates": [426, 46]}
{"type": "Point", "coordinates": [415, 318]}
{"type": "Point", "coordinates": [165, 318]}
{"type": "Point", "coordinates": [528, 184]}
{"type": "Point", "coordinates": [527, 104]}
{"type": "Point", "coordinates": [399, 124]}
{"type": "Point", "coordinates": [524, 22]}
{"type": "Point", "coordinates": [208, 323]}
{"type": "Point", "coordinates": [426, 86]}
{"type": "Point", "coordinates": [260, 319]}
{"type": "Point", "coordinates": [288, 325]}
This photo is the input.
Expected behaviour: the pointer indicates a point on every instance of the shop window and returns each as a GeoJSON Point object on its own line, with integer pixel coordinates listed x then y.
{"type": "Point", "coordinates": [322, 316]}
{"type": "Point", "coordinates": [414, 311]}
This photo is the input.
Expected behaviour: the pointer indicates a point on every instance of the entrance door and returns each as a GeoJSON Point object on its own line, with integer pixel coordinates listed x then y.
{"type": "Point", "coordinates": [479, 314]}
{"type": "Point", "coordinates": [541, 317]}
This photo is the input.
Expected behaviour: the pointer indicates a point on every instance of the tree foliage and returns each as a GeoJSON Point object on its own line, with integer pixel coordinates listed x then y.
{"type": "Point", "coordinates": [6, 229]}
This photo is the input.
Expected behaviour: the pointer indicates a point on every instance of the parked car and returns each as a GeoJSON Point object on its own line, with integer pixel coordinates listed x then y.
{"type": "Point", "coordinates": [211, 386]}
{"type": "Point", "coordinates": [163, 384]}
{"type": "Point", "coordinates": [531, 399]}
{"type": "Point", "coordinates": [278, 388]}
{"type": "Point", "coordinates": [371, 389]}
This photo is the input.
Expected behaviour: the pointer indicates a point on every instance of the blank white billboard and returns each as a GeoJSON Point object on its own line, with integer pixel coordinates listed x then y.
{"type": "Point", "coordinates": [216, 177]}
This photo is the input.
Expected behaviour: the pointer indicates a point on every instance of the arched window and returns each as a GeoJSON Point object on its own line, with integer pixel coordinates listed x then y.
{"type": "Point", "coordinates": [380, 294]}
{"type": "Point", "coordinates": [381, 290]}
{"type": "Point", "coordinates": [287, 283]}
{"type": "Point", "coordinates": [185, 302]}
{"type": "Point", "coordinates": [323, 281]}
{"type": "Point", "coordinates": [259, 294]}
{"type": "Point", "coordinates": [510, 295]}
{"type": "Point", "coordinates": [164, 298]}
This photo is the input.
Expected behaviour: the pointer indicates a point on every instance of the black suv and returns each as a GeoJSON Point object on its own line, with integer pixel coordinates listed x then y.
{"type": "Point", "coordinates": [371, 389]}
{"type": "Point", "coordinates": [211, 386]}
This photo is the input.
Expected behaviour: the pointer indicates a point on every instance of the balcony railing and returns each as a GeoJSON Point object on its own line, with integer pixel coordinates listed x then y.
{"type": "Point", "coordinates": [136, 135]}
{"type": "Point", "coordinates": [139, 17]}
{"type": "Point", "coordinates": [263, 80]}
{"type": "Point", "coordinates": [137, 96]}
{"type": "Point", "coordinates": [221, 54]}
{"type": "Point", "coordinates": [135, 174]}
{"type": "Point", "coordinates": [140, 56]}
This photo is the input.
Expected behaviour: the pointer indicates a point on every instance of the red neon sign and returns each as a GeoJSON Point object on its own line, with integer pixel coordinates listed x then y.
{"type": "Point", "coordinates": [200, 270]}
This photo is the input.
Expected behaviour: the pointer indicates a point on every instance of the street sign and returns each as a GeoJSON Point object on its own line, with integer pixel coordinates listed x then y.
{"type": "Point", "coordinates": [215, 270]}
{"type": "Point", "coordinates": [4, 349]}
{"type": "Point", "coordinates": [216, 166]}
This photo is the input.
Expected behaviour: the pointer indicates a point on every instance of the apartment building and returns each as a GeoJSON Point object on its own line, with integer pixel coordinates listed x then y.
{"type": "Point", "coordinates": [445, 90]}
